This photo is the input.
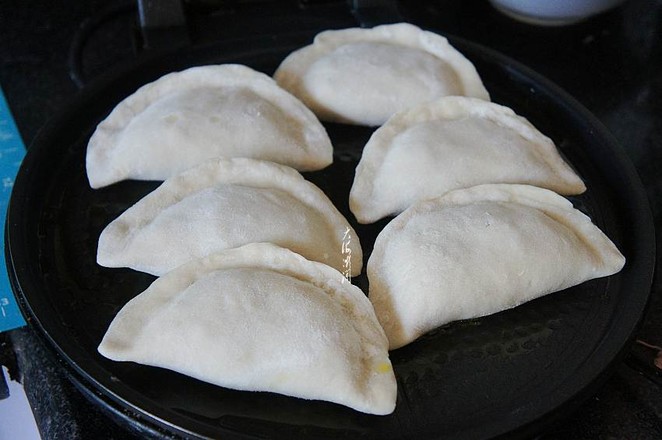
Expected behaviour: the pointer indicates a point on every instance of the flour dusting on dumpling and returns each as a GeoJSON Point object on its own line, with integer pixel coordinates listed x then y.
{"type": "Point", "coordinates": [363, 76]}
{"type": "Point", "coordinates": [227, 203]}
{"type": "Point", "coordinates": [187, 117]}
{"type": "Point", "coordinates": [261, 318]}
{"type": "Point", "coordinates": [451, 143]}
{"type": "Point", "coordinates": [477, 251]}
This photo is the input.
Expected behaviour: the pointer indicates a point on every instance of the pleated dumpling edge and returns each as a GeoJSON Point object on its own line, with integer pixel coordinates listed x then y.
{"type": "Point", "coordinates": [261, 318]}
{"type": "Point", "coordinates": [477, 251]}
{"type": "Point", "coordinates": [227, 203]}
{"type": "Point", "coordinates": [363, 76]}
{"type": "Point", "coordinates": [451, 143]}
{"type": "Point", "coordinates": [186, 117]}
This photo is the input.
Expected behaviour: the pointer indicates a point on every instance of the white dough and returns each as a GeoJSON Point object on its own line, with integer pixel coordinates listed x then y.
{"type": "Point", "coordinates": [187, 117]}
{"type": "Point", "coordinates": [227, 203]}
{"type": "Point", "coordinates": [363, 76]}
{"type": "Point", "coordinates": [261, 318]}
{"type": "Point", "coordinates": [453, 142]}
{"type": "Point", "coordinates": [477, 251]}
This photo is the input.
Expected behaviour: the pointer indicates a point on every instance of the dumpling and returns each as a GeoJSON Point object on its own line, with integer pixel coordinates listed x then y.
{"type": "Point", "coordinates": [453, 142]}
{"type": "Point", "coordinates": [261, 318]}
{"type": "Point", "coordinates": [477, 251]}
{"type": "Point", "coordinates": [185, 118]}
{"type": "Point", "coordinates": [363, 76]}
{"type": "Point", "coordinates": [227, 203]}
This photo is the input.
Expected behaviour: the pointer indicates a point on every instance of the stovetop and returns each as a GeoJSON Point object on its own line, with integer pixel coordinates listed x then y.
{"type": "Point", "coordinates": [610, 63]}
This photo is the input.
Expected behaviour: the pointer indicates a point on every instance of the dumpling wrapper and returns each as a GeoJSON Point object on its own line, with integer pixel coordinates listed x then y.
{"type": "Point", "coordinates": [363, 76]}
{"type": "Point", "coordinates": [477, 251]}
{"type": "Point", "coordinates": [261, 318]}
{"type": "Point", "coordinates": [226, 203]}
{"type": "Point", "coordinates": [187, 117]}
{"type": "Point", "coordinates": [451, 143]}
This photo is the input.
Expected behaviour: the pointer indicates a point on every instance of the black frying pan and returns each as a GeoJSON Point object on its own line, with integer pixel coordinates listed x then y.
{"type": "Point", "coordinates": [510, 373]}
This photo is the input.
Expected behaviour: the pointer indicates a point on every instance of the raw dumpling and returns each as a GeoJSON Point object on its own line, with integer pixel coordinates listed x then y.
{"type": "Point", "coordinates": [184, 118]}
{"type": "Point", "coordinates": [451, 143]}
{"type": "Point", "coordinates": [261, 318]}
{"type": "Point", "coordinates": [227, 203]}
{"type": "Point", "coordinates": [477, 251]}
{"type": "Point", "coordinates": [363, 76]}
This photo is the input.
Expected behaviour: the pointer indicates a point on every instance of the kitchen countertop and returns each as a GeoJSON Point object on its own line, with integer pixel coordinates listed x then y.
{"type": "Point", "coordinates": [610, 63]}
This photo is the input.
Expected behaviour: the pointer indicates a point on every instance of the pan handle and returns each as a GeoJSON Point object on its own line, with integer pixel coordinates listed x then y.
{"type": "Point", "coordinates": [163, 24]}
{"type": "Point", "coordinates": [370, 13]}
{"type": "Point", "coordinates": [83, 33]}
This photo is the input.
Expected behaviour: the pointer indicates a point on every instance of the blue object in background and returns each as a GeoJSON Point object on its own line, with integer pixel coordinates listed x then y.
{"type": "Point", "coordinates": [12, 151]}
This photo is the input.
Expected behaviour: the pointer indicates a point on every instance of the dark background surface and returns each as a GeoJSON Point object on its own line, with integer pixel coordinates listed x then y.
{"type": "Point", "coordinates": [611, 63]}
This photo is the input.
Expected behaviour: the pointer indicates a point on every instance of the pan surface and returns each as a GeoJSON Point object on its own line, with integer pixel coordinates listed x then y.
{"type": "Point", "coordinates": [509, 373]}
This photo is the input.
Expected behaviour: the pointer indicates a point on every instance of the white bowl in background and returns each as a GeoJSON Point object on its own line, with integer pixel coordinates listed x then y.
{"type": "Point", "coordinates": [553, 12]}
